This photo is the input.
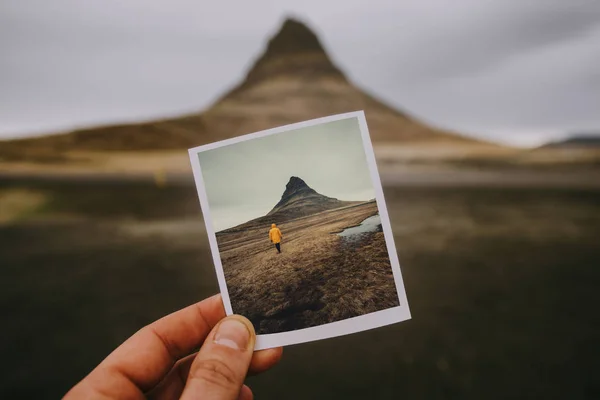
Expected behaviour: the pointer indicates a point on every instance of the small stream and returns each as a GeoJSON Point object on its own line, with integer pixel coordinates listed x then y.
{"type": "Point", "coordinates": [370, 224]}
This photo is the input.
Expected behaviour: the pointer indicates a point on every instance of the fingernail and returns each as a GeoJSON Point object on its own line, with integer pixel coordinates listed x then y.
{"type": "Point", "coordinates": [232, 333]}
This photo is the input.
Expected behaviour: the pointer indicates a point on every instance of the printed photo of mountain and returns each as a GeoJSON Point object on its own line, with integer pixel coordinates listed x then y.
{"type": "Point", "coordinates": [298, 228]}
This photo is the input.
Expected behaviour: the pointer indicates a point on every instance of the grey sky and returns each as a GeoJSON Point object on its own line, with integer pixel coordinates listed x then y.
{"type": "Point", "coordinates": [245, 180]}
{"type": "Point", "coordinates": [510, 70]}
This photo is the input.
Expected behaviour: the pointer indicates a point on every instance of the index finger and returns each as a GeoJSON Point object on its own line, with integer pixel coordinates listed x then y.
{"type": "Point", "coordinates": [143, 360]}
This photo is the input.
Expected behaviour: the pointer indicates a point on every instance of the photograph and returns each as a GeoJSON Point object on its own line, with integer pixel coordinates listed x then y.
{"type": "Point", "coordinates": [299, 230]}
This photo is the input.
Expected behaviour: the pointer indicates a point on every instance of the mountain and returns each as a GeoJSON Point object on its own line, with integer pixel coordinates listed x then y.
{"type": "Point", "coordinates": [298, 200]}
{"type": "Point", "coordinates": [293, 80]}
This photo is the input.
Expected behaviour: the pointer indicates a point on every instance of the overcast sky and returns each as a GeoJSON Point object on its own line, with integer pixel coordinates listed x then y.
{"type": "Point", "coordinates": [245, 180]}
{"type": "Point", "coordinates": [510, 70]}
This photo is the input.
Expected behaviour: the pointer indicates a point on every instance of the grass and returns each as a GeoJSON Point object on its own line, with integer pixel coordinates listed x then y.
{"type": "Point", "coordinates": [318, 278]}
{"type": "Point", "coordinates": [16, 204]}
{"type": "Point", "coordinates": [502, 285]}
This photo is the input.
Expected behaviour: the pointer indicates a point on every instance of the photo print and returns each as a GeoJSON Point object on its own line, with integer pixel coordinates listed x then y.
{"type": "Point", "coordinates": [299, 230]}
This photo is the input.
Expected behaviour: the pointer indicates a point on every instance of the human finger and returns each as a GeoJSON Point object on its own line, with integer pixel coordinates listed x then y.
{"type": "Point", "coordinates": [263, 360]}
{"type": "Point", "coordinates": [173, 384]}
{"type": "Point", "coordinates": [219, 369]}
{"type": "Point", "coordinates": [246, 393]}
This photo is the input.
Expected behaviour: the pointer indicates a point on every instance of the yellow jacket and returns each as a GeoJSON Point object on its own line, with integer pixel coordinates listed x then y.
{"type": "Point", "coordinates": [275, 234]}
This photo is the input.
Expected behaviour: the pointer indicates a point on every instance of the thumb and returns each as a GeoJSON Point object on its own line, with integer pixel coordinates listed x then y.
{"type": "Point", "coordinates": [219, 369]}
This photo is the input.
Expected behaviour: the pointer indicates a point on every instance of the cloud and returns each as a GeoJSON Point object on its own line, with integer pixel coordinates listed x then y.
{"type": "Point", "coordinates": [468, 65]}
{"type": "Point", "coordinates": [555, 88]}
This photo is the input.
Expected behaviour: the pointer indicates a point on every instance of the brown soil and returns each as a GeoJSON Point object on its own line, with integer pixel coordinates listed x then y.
{"type": "Point", "coordinates": [318, 278]}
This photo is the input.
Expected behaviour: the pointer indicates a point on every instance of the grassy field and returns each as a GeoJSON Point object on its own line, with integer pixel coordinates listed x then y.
{"type": "Point", "coordinates": [502, 285]}
{"type": "Point", "coordinates": [318, 278]}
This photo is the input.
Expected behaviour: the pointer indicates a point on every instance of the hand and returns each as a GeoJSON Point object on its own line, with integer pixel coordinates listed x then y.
{"type": "Point", "coordinates": [156, 361]}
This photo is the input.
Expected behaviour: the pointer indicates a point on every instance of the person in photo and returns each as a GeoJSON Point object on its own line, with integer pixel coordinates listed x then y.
{"type": "Point", "coordinates": [275, 237]}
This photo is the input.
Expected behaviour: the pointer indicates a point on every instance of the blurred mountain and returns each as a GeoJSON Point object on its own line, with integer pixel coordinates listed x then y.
{"type": "Point", "coordinates": [577, 141]}
{"type": "Point", "coordinates": [293, 80]}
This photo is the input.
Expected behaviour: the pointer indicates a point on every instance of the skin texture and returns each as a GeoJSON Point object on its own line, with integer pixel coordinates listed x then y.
{"type": "Point", "coordinates": [159, 362]}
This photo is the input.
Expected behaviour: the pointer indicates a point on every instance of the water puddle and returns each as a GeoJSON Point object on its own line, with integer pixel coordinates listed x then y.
{"type": "Point", "coordinates": [370, 224]}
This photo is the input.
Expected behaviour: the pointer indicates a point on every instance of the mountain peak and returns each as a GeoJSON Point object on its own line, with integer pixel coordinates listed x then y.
{"type": "Point", "coordinates": [298, 200]}
{"type": "Point", "coordinates": [297, 193]}
{"type": "Point", "coordinates": [295, 50]}
{"type": "Point", "coordinates": [293, 80]}
{"type": "Point", "coordinates": [294, 187]}
{"type": "Point", "coordinates": [293, 37]}
{"type": "Point", "coordinates": [295, 184]}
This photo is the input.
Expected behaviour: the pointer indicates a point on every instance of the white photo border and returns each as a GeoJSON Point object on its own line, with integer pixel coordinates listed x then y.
{"type": "Point", "coordinates": [332, 329]}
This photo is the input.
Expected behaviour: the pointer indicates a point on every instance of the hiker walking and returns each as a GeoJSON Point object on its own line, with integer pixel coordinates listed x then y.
{"type": "Point", "coordinates": [275, 237]}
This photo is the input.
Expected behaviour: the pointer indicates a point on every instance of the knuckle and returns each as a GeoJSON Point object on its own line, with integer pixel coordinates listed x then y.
{"type": "Point", "coordinates": [215, 372]}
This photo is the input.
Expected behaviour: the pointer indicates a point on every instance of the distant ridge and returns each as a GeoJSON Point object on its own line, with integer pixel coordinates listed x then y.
{"type": "Point", "coordinates": [579, 141]}
{"type": "Point", "coordinates": [292, 80]}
